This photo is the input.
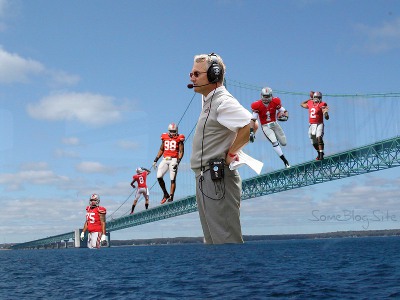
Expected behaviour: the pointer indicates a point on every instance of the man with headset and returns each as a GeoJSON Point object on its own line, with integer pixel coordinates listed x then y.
{"type": "Point", "coordinates": [222, 129]}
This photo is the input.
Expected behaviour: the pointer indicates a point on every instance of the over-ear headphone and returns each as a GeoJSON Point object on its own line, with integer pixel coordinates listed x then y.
{"type": "Point", "coordinates": [214, 71]}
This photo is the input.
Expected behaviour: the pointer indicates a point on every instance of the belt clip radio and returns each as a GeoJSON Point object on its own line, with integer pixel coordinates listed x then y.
{"type": "Point", "coordinates": [216, 168]}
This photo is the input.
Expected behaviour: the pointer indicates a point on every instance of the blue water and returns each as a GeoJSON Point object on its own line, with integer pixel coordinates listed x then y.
{"type": "Point", "coordinates": [348, 268]}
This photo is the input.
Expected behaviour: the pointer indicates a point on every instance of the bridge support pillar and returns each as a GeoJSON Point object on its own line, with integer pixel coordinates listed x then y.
{"type": "Point", "coordinates": [77, 239]}
{"type": "Point", "coordinates": [108, 239]}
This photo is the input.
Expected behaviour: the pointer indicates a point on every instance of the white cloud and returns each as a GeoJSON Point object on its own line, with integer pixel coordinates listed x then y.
{"type": "Point", "coordinates": [17, 69]}
{"type": "Point", "coordinates": [61, 78]}
{"type": "Point", "coordinates": [87, 108]}
{"type": "Point", "coordinates": [72, 141]}
{"type": "Point", "coordinates": [14, 181]}
{"type": "Point", "coordinates": [382, 38]}
{"type": "Point", "coordinates": [93, 167]}
{"type": "Point", "coordinates": [14, 68]}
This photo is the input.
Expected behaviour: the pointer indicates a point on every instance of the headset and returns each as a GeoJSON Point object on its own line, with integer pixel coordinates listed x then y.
{"type": "Point", "coordinates": [214, 71]}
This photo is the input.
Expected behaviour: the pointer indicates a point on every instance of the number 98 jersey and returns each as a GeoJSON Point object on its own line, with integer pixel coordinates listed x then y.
{"type": "Point", "coordinates": [171, 144]}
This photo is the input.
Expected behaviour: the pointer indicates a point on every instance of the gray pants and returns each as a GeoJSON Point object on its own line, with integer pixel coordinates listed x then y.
{"type": "Point", "coordinates": [218, 203]}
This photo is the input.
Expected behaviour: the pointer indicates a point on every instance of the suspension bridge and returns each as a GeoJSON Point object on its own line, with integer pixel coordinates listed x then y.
{"type": "Point", "coordinates": [350, 155]}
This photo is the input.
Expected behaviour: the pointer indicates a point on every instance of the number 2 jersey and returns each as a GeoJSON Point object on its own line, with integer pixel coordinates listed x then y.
{"type": "Point", "coordinates": [93, 218]}
{"type": "Point", "coordinates": [315, 112]}
{"type": "Point", "coordinates": [171, 144]}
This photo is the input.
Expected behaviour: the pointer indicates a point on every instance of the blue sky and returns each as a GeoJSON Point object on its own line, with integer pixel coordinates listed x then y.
{"type": "Point", "coordinates": [87, 88]}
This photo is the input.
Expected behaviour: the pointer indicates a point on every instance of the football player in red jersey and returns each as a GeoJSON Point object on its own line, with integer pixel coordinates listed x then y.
{"type": "Point", "coordinates": [140, 177]}
{"type": "Point", "coordinates": [267, 109]}
{"type": "Point", "coordinates": [172, 148]}
{"type": "Point", "coordinates": [317, 111]}
{"type": "Point", "coordinates": [95, 223]}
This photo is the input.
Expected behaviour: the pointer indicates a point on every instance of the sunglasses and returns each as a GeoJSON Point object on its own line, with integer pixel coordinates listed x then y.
{"type": "Point", "coordinates": [196, 74]}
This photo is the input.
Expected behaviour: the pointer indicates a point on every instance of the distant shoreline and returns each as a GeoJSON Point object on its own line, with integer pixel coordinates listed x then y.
{"type": "Point", "coordinates": [247, 238]}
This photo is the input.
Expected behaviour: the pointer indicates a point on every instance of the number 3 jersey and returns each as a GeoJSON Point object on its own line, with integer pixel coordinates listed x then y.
{"type": "Point", "coordinates": [93, 218]}
{"type": "Point", "coordinates": [171, 144]}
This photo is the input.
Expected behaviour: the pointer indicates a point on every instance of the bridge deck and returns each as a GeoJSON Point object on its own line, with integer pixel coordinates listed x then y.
{"type": "Point", "coordinates": [375, 157]}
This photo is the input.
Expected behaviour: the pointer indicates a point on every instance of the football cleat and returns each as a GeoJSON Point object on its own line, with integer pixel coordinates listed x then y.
{"type": "Point", "coordinates": [164, 200]}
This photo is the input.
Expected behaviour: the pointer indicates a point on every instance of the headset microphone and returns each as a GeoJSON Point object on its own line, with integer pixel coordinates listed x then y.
{"type": "Point", "coordinates": [190, 85]}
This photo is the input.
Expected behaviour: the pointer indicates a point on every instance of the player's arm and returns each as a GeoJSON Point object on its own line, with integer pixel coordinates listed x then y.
{"type": "Point", "coordinates": [325, 110]}
{"type": "Point", "coordinates": [253, 124]}
{"type": "Point", "coordinates": [132, 183]}
{"type": "Point", "coordinates": [284, 112]}
{"type": "Point", "coordinates": [84, 226]}
{"type": "Point", "coordinates": [103, 222]}
{"type": "Point", "coordinates": [181, 152]}
{"type": "Point", "coordinates": [83, 231]}
{"type": "Point", "coordinates": [304, 103]}
{"type": "Point", "coordinates": [159, 154]}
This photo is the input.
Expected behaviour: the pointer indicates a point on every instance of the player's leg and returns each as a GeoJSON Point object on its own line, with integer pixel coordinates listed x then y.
{"type": "Point", "coordinates": [137, 195]}
{"type": "Point", "coordinates": [146, 197]}
{"type": "Point", "coordinates": [172, 175]}
{"type": "Point", "coordinates": [280, 134]}
{"type": "Point", "coordinates": [94, 240]}
{"type": "Point", "coordinates": [312, 131]}
{"type": "Point", "coordinates": [270, 135]}
{"type": "Point", "coordinates": [162, 169]}
{"type": "Point", "coordinates": [319, 136]}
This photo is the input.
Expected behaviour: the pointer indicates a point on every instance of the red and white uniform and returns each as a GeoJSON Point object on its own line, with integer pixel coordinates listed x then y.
{"type": "Point", "coordinates": [141, 179]}
{"type": "Point", "coordinates": [93, 218]}
{"type": "Point", "coordinates": [142, 185]}
{"type": "Point", "coordinates": [315, 113]}
{"type": "Point", "coordinates": [94, 226]}
{"type": "Point", "coordinates": [267, 115]}
{"type": "Point", "coordinates": [171, 144]}
{"type": "Point", "coordinates": [171, 152]}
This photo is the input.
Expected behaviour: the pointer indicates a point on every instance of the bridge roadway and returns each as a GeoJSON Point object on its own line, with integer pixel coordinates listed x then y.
{"type": "Point", "coordinates": [374, 157]}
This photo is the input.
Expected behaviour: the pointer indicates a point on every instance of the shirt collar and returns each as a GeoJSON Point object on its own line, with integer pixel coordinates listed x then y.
{"type": "Point", "coordinates": [218, 89]}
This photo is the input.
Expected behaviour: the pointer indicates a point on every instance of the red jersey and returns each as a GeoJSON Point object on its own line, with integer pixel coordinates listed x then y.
{"type": "Point", "coordinates": [93, 218]}
{"type": "Point", "coordinates": [141, 179]}
{"type": "Point", "coordinates": [315, 112]}
{"type": "Point", "coordinates": [267, 114]}
{"type": "Point", "coordinates": [171, 144]}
